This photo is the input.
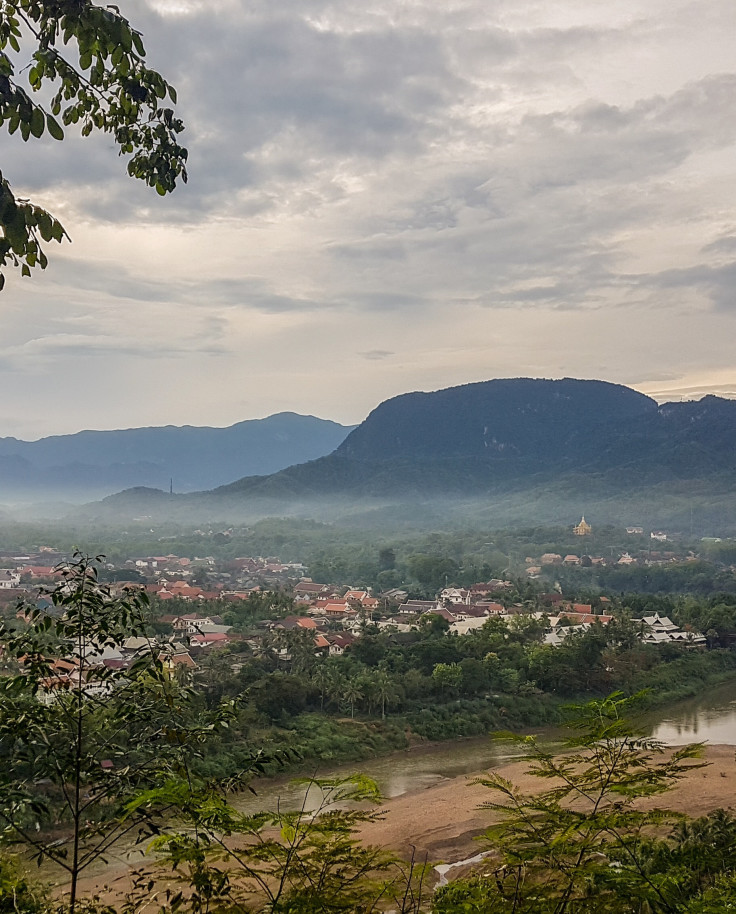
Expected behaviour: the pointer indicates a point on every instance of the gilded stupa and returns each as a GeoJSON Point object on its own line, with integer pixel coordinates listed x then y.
{"type": "Point", "coordinates": [583, 528]}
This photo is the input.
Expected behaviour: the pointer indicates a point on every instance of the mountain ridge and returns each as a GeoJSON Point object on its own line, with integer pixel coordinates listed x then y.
{"type": "Point", "coordinates": [549, 440]}
{"type": "Point", "coordinates": [94, 463]}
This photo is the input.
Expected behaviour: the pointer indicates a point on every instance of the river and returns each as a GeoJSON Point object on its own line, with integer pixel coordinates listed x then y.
{"type": "Point", "coordinates": [708, 718]}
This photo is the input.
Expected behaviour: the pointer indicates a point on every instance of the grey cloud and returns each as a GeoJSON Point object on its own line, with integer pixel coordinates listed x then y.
{"type": "Point", "coordinates": [254, 296]}
{"type": "Point", "coordinates": [69, 346]}
{"type": "Point", "coordinates": [370, 249]}
{"type": "Point", "coordinates": [425, 159]}
{"type": "Point", "coordinates": [115, 283]}
{"type": "Point", "coordinates": [565, 42]}
{"type": "Point", "coordinates": [562, 293]}
{"type": "Point", "coordinates": [549, 202]}
{"type": "Point", "coordinates": [717, 282]}
{"type": "Point", "coordinates": [374, 355]}
{"type": "Point", "coordinates": [599, 142]}
{"type": "Point", "coordinates": [358, 93]}
{"type": "Point", "coordinates": [667, 395]}
{"type": "Point", "coordinates": [246, 82]}
{"type": "Point", "coordinates": [388, 301]}
{"type": "Point", "coordinates": [273, 101]}
{"type": "Point", "coordinates": [726, 244]}
{"type": "Point", "coordinates": [111, 279]}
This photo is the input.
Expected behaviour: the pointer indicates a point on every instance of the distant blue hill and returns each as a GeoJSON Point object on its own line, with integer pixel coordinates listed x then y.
{"type": "Point", "coordinates": [91, 464]}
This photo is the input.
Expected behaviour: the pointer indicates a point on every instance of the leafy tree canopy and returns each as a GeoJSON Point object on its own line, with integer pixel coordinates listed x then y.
{"type": "Point", "coordinates": [82, 65]}
{"type": "Point", "coordinates": [585, 844]}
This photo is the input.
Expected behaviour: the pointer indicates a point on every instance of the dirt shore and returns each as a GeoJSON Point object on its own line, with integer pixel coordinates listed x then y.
{"type": "Point", "coordinates": [443, 821]}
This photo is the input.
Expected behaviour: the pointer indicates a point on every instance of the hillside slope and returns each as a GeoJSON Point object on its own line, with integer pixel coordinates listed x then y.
{"type": "Point", "coordinates": [517, 451]}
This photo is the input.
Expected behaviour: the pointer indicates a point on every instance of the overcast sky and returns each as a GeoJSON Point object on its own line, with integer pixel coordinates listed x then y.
{"type": "Point", "coordinates": [386, 196]}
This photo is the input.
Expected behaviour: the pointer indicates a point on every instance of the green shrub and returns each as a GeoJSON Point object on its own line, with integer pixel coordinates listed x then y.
{"type": "Point", "coordinates": [18, 894]}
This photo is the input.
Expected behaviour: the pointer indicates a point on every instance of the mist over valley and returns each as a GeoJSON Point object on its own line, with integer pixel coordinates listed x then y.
{"type": "Point", "coordinates": [497, 453]}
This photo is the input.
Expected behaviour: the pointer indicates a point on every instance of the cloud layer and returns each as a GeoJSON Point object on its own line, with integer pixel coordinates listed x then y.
{"type": "Point", "coordinates": [387, 197]}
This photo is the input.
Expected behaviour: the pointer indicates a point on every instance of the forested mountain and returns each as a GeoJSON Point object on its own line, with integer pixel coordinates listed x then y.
{"type": "Point", "coordinates": [509, 419]}
{"type": "Point", "coordinates": [90, 464]}
{"type": "Point", "coordinates": [520, 450]}
{"type": "Point", "coordinates": [485, 435]}
{"type": "Point", "coordinates": [550, 426]}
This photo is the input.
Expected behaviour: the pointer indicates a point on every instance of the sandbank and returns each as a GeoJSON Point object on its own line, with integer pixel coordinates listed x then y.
{"type": "Point", "coordinates": [444, 821]}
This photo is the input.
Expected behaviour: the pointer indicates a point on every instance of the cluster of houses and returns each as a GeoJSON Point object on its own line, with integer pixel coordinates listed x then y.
{"type": "Point", "coordinates": [463, 609]}
{"type": "Point", "coordinates": [658, 629]}
{"type": "Point", "coordinates": [223, 573]}
{"type": "Point", "coordinates": [168, 577]}
{"type": "Point", "coordinates": [89, 672]}
{"type": "Point", "coordinates": [654, 629]}
{"type": "Point", "coordinates": [332, 616]}
{"type": "Point", "coordinates": [328, 601]}
{"type": "Point", "coordinates": [536, 566]}
{"type": "Point", "coordinates": [326, 642]}
{"type": "Point", "coordinates": [585, 529]}
{"type": "Point", "coordinates": [196, 634]}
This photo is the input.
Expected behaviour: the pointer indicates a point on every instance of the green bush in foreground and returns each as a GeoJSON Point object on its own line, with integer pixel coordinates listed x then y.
{"type": "Point", "coordinates": [19, 894]}
{"type": "Point", "coordinates": [585, 845]}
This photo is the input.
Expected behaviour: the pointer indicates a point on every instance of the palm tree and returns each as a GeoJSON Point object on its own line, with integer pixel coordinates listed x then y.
{"type": "Point", "coordinates": [322, 677]}
{"type": "Point", "coordinates": [351, 693]}
{"type": "Point", "coordinates": [336, 685]}
{"type": "Point", "coordinates": [384, 689]}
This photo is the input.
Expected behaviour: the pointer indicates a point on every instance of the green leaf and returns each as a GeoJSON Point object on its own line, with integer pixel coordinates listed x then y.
{"type": "Point", "coordinates": [45, 226]}
{"type": "Point", "coordinates": [38, 122]}
{"type": "Point", "coordinates": [54, 127]}
{"type": "Point", "coordinates": [126, 38]}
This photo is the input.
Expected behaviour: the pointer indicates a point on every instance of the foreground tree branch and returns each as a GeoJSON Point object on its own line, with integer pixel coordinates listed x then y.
{"type": "Point", "coordinates": [93, 61]}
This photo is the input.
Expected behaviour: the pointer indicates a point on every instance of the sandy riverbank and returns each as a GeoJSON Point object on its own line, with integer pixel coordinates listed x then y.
{"type": "Point", "coordinates": [444, 820]}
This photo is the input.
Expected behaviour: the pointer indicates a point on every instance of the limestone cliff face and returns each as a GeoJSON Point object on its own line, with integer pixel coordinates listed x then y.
{"type": "Point", "coordinates": [528, 418]}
